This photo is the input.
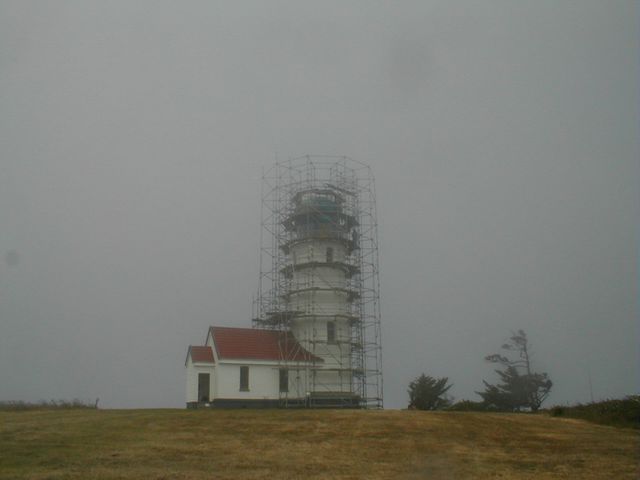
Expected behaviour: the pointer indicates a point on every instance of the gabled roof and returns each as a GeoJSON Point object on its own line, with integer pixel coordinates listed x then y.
{"type": "Point", "coordinates": [200, 354]}
{"type": "Point", "coordinates": [254, 344]}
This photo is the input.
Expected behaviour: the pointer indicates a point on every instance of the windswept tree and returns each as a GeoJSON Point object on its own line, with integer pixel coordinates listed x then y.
{"type": "Point", "coordinates": [428, 393]}
{"type": "Point", "coordinates": [520, 387]}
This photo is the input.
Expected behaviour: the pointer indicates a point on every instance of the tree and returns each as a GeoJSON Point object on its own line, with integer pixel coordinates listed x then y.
{"type": "Point", "coordinates": [520, 387]}
{"type": "Point", "coordinates": [428, 393]}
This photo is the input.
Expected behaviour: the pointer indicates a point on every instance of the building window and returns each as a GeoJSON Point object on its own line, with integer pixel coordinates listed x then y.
{"type": "Point", "coordinates": [329, 254]}
{"type": "Point", "coordinates": [284, 380]}
{"type": "Point", "coordinates": [244, 379]}
{"type": "Point", "coordinates": [331, 332]}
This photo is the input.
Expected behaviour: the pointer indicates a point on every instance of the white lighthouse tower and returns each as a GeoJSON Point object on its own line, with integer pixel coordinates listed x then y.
{"type": "Point", "coordinates": [319, 279]}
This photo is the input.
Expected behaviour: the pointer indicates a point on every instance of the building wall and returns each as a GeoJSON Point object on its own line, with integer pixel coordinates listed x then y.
{"type": "Point", "coordinates": [264, 381]}
{"type": "Point", "coordinates": [316, 251]}
{"type": "Point", "coordinates": [324, 300]}
{"type": "Point", "coordinates": [192, 379]}
{"type": "Point", "coordinates": [320, 302]}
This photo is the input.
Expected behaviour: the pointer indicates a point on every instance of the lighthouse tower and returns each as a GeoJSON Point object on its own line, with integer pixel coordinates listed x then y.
{"type": "Point", "coordinates": [319, 279]}
{"type": "Point", "coordinates": [319, 266]}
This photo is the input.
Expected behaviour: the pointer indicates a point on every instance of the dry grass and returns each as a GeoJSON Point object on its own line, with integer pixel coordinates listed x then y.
{"type": "Point", "coordinates": [249, 444]}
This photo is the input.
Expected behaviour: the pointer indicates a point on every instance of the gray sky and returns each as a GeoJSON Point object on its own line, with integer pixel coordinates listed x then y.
{"type": "Point", "coordinates": [503, 136]}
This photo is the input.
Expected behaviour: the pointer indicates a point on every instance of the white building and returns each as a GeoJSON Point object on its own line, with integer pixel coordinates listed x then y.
{"type": "Point", "coordinates": [243, 367]}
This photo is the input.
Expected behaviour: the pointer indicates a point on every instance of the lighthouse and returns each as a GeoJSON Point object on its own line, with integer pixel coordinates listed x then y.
{"type": "Point", "coordinates": [320, 295]}
{"type": "Point", "coordinates": [315, 340]}
{"type": "Point", "coordinates": [319, 278]}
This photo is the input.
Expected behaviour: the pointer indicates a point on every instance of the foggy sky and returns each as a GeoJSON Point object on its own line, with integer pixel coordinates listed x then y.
{"type": "Point", "coordinates": [503, 136]}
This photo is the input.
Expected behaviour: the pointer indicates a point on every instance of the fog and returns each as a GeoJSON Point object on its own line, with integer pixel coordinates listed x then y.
{"type": "Point", "coordinates": [503, 137]}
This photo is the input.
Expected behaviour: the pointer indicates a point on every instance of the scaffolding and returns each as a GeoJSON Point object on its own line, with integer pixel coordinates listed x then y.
{"type": "Point", "coordinates": [319, 280]}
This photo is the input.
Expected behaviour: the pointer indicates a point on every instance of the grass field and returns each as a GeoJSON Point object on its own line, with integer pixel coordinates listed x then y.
{"type": "Point", "coordinates": [309, 444]}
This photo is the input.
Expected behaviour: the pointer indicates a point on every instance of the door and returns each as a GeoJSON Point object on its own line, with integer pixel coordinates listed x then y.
{"type": "Point", "coordinates": [203, 387]}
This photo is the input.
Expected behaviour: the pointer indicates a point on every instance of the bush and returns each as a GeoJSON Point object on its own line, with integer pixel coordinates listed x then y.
{"type": "Point", "coordinates": [619, 413]}
{"type": "Point", "coordinates": [428, 393]}
{"type": "Point", "coordinates": [18, 405]}
{"type": "Point", "coordinates": [468, 406]}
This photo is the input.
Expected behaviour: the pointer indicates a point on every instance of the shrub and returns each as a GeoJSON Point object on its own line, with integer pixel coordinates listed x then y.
{"type": "Point", "coordinates": [468, 406]}
{"type": "Point", "coordinates": [428, 393]}
{"type": "Point", "coordinates": [620, 413]}
{"type": "Point", "coordinates": [17, 405]}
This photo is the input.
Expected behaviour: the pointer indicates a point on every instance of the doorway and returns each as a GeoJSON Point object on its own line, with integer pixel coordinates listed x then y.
{"type": "Point", "coordinates": [203, 387]}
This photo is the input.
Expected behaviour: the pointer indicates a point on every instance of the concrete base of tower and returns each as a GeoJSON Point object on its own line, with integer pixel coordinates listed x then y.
{"type": "Point", "coordinates": [313, 400]}
{"type": "Point", "coordinates": [323, 400]}
{"type": "Point", "coordinates": [236, 403]}
{"type": "Point", "coordinates": [333, 400]}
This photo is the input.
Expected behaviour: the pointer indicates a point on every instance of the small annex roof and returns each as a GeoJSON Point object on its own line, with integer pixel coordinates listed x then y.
{"type": "Point", "coordinates": [255, 344]}
{"type": "Point", "coordinates": [200, 354]}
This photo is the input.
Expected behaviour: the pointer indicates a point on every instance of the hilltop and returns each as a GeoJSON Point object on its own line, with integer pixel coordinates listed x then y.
{"type": "Point", "coordinates": [309, 444]}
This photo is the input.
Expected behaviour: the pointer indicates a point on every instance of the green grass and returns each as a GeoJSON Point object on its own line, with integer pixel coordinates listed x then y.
{"type": "Point", "coordinates": [308, 444]}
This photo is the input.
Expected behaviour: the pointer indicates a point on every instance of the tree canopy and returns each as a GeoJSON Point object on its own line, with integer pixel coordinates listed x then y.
{"type": "Point", "coordinates": [428, 393]}
{"type": "Point", "coordinates": [519, 387]}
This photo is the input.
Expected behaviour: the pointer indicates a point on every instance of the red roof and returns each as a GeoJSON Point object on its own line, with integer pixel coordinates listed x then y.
{"type": "Point", "coordinates": [201, 354]}
{"type": "Point", "coordinates": [254, 344]}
